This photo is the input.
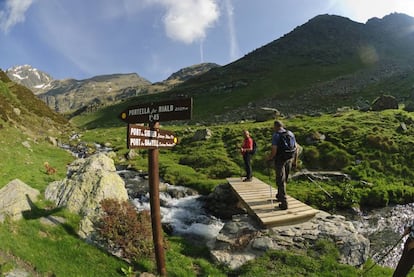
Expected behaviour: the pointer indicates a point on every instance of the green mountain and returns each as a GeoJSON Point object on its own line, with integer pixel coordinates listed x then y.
{"type": "Point", "coordinates": [22, 110]}
{"type": "Point", "coordinates": [328, 62]}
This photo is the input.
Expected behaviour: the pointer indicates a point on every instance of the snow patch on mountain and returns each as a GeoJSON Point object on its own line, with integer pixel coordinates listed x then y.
{"type": "Point", "coordinates": [30, 77]}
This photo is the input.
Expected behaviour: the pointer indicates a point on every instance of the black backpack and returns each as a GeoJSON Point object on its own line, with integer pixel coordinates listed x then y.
{"type": "Point", "coordinates": [254, 147]}
{"type": "Point", "coordinates": [287, 146]}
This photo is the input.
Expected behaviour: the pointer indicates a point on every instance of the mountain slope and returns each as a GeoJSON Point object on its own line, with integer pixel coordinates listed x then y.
{"type": "Point", "coordinates": [29, 131]}
{"type": "Point", "coordinates": [189, 72]}
{"type": "Point", "coordinates": [20, 108]}
{"type": "Point", "coordinates": [319, 66]}
{"type": "Point", "coordinates": [68, 95]}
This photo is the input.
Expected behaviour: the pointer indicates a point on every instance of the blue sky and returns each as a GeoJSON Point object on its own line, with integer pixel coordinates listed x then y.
{"type": "Point", "coordinates": [154, 38]}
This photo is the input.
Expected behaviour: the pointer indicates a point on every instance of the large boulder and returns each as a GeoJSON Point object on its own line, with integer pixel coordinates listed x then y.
{"type": "Point", "coordinates": [264, 114]}
{"type": "Point", "coordinates": [15, 198]}
{"type": "Point", "coordinates": [202, 134]}
{"type": "Point", "coordinates": [88, 182]}
{"type": "Point", "coordinates": [223, 203]}
{"type": "Point", "coordinates": [384, 102]}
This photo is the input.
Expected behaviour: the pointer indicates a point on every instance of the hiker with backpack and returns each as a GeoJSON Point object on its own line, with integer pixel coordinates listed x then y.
{"type": "Point", "coordinates": [247, 150]}
{"type": "Point", "coordinates": [284, 155]}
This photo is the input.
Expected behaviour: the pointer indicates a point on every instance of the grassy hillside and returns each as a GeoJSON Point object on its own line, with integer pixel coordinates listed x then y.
{"type": "Point", "coordinates": [32, 112]}
{"type": "Point", "coordinates": [372, 147]}
{"type": "Point", "coordinates": [25, 125]}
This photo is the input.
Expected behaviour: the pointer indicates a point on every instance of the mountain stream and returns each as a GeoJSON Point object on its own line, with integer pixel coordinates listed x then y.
{"type": "Point", "coordinates": [384, 228]}
{"type": "Point", "coordinates": [182, 211]}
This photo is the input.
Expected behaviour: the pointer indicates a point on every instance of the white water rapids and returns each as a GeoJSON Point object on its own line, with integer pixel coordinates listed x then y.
{"type": "Point", "coordinates": [186, 216]}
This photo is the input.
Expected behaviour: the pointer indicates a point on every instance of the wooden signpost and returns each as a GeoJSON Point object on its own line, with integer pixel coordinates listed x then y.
{"type": "Point", "coordinates": [152, 138]}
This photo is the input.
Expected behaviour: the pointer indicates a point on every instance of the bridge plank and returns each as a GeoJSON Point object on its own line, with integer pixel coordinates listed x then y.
{"type": "Point", "coordinates": [259, 200]}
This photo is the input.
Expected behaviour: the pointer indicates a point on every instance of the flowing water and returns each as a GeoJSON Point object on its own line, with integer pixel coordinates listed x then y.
{"type": "Point", "coordinates": [384, 228]}
{"type": "Point", "coordinates": [181, 211]}
{"type": "Point", "coordinates": [186, 216]}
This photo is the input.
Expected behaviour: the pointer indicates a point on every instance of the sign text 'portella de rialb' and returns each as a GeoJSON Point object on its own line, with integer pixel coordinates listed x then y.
{"type": "Point", "coordinates": [178, 109]}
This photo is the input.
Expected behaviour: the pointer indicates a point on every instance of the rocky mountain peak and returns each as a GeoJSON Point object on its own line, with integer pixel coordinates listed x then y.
{"type": "Point", "coordinates": [191, 71]}
{"type": "Point", "coordinates": [30, 77]}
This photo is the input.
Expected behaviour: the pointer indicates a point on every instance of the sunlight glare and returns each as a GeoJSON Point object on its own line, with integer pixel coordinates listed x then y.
{"type": "Point", "coordinates": [361, 11]}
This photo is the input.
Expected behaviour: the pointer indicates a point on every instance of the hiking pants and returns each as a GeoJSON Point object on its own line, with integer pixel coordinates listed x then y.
{"type": "Point", "coordinates": [282, 168]}
{"type": "Point", "coordinates": [406, 261]}
{"type": "Point", "coordinates": [247, 165]}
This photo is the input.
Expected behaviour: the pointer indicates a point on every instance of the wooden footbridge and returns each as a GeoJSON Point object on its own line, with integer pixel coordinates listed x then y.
{"type": "Point", "coordinates": [259, 200]}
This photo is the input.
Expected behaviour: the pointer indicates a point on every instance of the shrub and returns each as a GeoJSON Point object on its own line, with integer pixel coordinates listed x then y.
{"type": "Point", "coordinates": [348, 131]}
{"type": "Point", "coordinates": [376, 197]}
{"type": "Point", "coordinates": [311, 156]}
{"type": "Point", "coordinates": [122, 228]}
{"type": "Point", "coordinates": [336, 159]}
{"type": "Point", "coordinates": [377, 165]}
{"type": "Point", "coordinates": [381, 143]}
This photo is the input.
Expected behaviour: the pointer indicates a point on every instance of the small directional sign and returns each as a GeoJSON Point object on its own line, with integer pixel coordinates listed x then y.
{"type": "Point", "coordinates": [145, 138]}
{"type": "Point", "coordinates": [179, 109]}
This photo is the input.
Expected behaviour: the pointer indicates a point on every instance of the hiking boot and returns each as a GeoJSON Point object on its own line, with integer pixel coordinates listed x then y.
{"type": "Point", "coordinates": [278, 199]}
{"type": "Point", "coordinates": [247, 179]}
{"type": "Point", "coordinates": [283, 206]}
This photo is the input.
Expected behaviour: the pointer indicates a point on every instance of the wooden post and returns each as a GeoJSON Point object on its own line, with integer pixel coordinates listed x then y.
{"type": "Point", "coordinates": [154, 180]}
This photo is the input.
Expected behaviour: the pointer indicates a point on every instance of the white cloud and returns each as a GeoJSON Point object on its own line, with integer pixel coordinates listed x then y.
{"type": "Point", "coordinates": [188, 20]}
{"type": "Point", "coordinates": [13, 12]}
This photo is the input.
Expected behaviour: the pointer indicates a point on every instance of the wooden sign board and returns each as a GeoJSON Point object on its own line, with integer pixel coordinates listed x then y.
{"type": "Point", "coordinates": [145, 138]}
{"type": "Point", "coordinates": [179, 109]}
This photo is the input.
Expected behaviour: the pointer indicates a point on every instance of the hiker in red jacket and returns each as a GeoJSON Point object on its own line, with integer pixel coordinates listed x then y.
{"type": "Point", "coordinates": [246, 150]}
